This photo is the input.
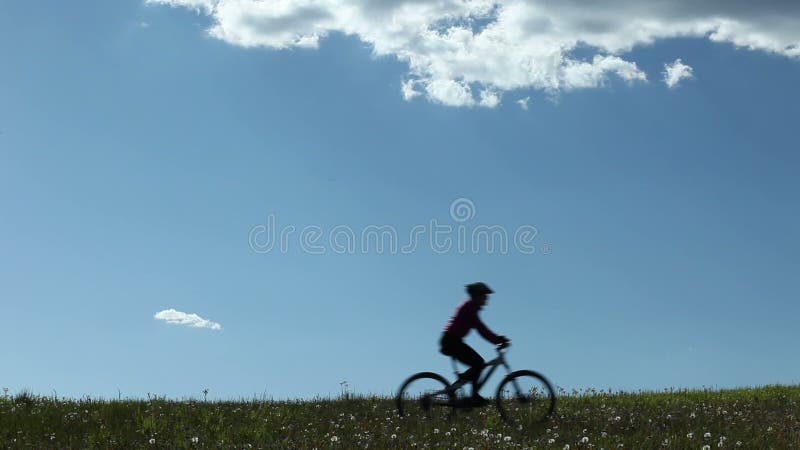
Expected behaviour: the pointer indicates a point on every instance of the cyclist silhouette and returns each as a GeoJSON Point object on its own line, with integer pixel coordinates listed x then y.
{"type": "Point", "coordinates": [465, 319]}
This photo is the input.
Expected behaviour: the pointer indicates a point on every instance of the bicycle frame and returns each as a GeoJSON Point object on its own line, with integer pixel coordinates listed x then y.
{"type": "Point", "coordinates": [492, 365]}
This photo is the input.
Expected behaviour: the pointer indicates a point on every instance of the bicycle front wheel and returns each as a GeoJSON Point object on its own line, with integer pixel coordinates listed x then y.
{"type": "Point", "coordinates": [425, 394]}
{"type": "Point", "coordinates": [525, 398]}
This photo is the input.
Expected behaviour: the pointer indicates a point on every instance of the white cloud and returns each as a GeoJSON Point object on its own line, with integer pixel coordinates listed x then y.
{"type": "Point", "coordinates": [523, 103]}
{"type": "Point", "coordinates": [450, 92]}
{"type": "Point", "coordinates": [181, 318]}
{"type": "Point", "coordinates": [489, 98]}
{"type": "Point", "coordinates": [458, 49]}
{"type": "Point", "coordinates": [408, 90]}
{"type": "Point", "coordinates": [675, 72]}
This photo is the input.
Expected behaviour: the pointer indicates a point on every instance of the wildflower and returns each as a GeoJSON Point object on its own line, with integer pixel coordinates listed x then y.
{"type": "Point", "coordinates": [152, 441]}
{"type": "Point", "coordinates": [706, 447]}
{"type": "Point", "coordinates": [707, 435]}
{"type": "Point", "coordinates": [394, 436]}
{"type": "Point", "coordinates": [738, 443]}
{"type": "Point", "coordinates": [603, 434]}
{"type": "Point", "coordinates": [689, 435]}
{"type": "Point", "coordinates": [195, 440]}
{"type": "Point", "coordinates": [507, 438]}
{"type": "Point", "coordinates": [551, 441]}
{"type": "Point", "coordinates": [447, 433]}
{"type": "Point", "coordinates": [584, 439]}
{"type": "Point", "coordinates": [334, 438]}
{"type": "Point", "coordinates": [566, 447]}
{"type": "Point", "coordinates": [435, 431]}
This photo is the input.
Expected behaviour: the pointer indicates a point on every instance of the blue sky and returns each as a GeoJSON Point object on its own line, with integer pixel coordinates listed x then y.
{"type": "Point", "coordinates": [138, 152]}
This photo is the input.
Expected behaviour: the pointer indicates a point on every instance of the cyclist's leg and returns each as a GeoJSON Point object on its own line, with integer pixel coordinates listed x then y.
{"type": "Point", "coordinates": [467, 355]}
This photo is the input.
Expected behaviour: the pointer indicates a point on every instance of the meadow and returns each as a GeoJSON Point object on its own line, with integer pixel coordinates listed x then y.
{"type": "Point", "coordinates": [747, 418]}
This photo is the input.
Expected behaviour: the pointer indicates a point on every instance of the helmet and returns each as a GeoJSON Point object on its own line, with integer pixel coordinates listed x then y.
{"type": "Point", "coordinates": [478, 288]}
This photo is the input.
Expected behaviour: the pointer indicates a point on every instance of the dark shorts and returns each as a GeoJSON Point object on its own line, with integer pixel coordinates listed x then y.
{"type": "Point", "coordinates": [455, 347]}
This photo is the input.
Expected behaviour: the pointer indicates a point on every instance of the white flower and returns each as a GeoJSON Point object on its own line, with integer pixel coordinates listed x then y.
{"type": "Point", "coordinates": [689, 435]}
{"type": "Point", "coordinates": [507, 438]}
{"type": "Point", "coordinates": [447, 433]}
{"type": "Point", "coordinates": [706, 447]}
{"type": "Point", "coordinates": [334, 438]}
{"type": "Point", "coordinates": [394, 436]}
{"type": "Point", "coordinates": [551, 441]}
{"type": "Point", "coordinates": [152, 441]}
{"type": "Point", "coordinates": [435, 431]}
{"type": "Point", "coordinates": [566, 447]}
{"type": "Point", "coordinates": [195, 440]}
{"type": "Point", "coordinates": [584, 439]}
{"type": "Point", "coordinates": [707, 435]}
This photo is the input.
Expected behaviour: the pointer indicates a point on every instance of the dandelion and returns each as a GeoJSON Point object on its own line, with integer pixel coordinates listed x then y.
{"type": "Point", "coordinates": [394, 436]}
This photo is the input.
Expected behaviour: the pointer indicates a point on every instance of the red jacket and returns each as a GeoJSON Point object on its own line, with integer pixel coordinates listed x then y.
{"type": "Point", "coordinates": [465, 319]}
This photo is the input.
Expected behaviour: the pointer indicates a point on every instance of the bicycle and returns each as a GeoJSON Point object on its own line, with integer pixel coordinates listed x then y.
{"type": "Point", "coordinates": [523, 397]}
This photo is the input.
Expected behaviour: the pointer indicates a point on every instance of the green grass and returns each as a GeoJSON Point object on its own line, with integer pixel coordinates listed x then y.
{"type": "Point", "coordinates": [752, 418]}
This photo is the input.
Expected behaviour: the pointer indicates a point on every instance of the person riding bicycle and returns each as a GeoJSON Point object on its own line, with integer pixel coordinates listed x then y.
{"type": "Point", "coordinates": [466, 318]}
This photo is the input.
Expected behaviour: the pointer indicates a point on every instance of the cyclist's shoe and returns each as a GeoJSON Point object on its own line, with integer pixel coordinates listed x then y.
{"type": "Point", "coordinates": [477, 400]}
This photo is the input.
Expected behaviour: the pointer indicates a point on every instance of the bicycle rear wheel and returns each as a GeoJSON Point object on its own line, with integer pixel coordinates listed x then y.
{"type": "Point", "coordinates": [525, 398]}
{"type": "Point", "coordinates": [425, 394]}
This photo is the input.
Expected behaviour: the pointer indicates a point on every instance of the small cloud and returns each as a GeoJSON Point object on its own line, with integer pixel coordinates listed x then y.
{"type": "Point", "coordinates": [675, 72]}
{"type": "Point", "coordinates": [181, 318]}
{"type": "Point", "coordinates": [144, 25]}
{"type": "Point", "coordinates": [523, 103]}
{"type": "Point", "coordinates": [449, 92]}
{"type": "Point", "coordinates": [408, 90]}
{"type": "Point", "coordinates": [489, 98]}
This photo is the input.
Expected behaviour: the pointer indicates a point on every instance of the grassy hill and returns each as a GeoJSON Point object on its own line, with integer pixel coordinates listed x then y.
{"type": "Point", "coordinates": [752, 418]}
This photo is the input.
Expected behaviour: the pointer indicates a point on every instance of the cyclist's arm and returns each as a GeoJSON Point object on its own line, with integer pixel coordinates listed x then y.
{"type": "Point", "coordinates": [486, 332]}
